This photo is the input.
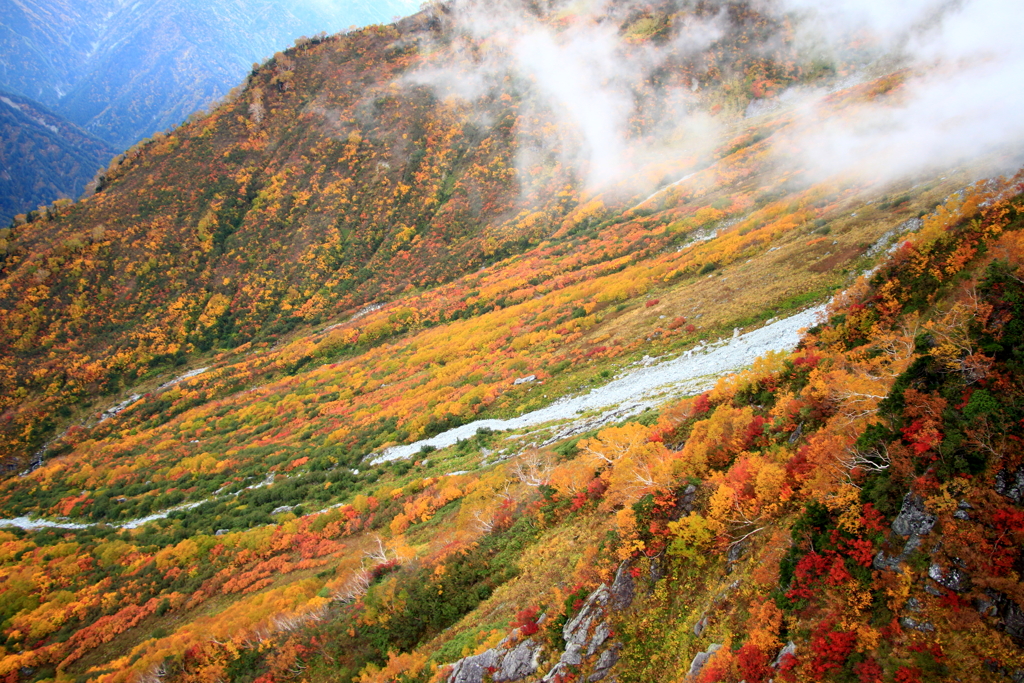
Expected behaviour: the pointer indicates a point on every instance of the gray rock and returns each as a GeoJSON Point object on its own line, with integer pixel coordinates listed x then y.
{"type": "Point", "coordinates": [577, 630]}
{"type": "Point", "coordinates": [1011, 485]}
{"type": "Point", "coordinates": [986, 607]}
{"type": "Point", "coordinates": [519, 662]}
{"type": "Point", "coordinates": [953, 578]}
{"type": "Point", "coordinates": [473, 669]}
{"type": "Point", "coordinates": [892, 563]}
{"type": "Point", "coordinates": [735, 552]}
{"type": "Point", "coordinates": [580, 638]}
{"type": "Point", "coordinates": [790, 649]}
{"type": "Point", "coordinates": [701, 659]}
{"type": "Point", "coordinates": [913, 519]}
{"type": "Point", "coordinates": [912, 544]}
{"type": "Point", "coordinates": [559, 671]}
{"type": "Point", "coordinates": [699, 627]}
{"type": "Point", "coordinates": [1011, 616]}
{"type": "Point", "coordinates": [962, 510]}
{"type": "Point", "coordinates": [915, 625]}
{"type": "Point", "coordinates": [605, 662]}
{"type": "Point", "coordinates": [1013, 620]}
{"type": "Point", "coordinates": [884, 562]}
{"type": "Point", "coordinates": [797, 433]}
{"type": "Point", "coordinates": [885, 240]}
{"type": "Point", "coordinates": [283, 508]}
{"type": "Point", "coordinates": [601, 634]}
{"type": "Point", "coordinates": [687, 501]}
{"type": "Point", "coordinates": [573, 655]}
{"type": "Point", "coordinates": [656, 574]}
{"type": "Point", "coordinates": [623, 588]}
{"type": "Point", "coordinates": [525, 380]}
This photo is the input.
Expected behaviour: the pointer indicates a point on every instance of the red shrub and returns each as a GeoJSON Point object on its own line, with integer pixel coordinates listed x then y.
{"type": "Point", "coordinates": [872, 518]}
{"type": "Point", "coordinates": [908, 674]}
{"type": "Point", "coordinates": [526, 621]}
{"type": "Point", "coordinates": [830, 648]}
{"type": "Point", "coordinates": [868, 671]}
{"type": "Point", "coordinates": [753, 663]}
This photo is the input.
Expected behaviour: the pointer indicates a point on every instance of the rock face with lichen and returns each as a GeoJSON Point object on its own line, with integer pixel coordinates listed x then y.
{"type": "Point", "coordinates": [511, 660]}
{"type": "Point", "coordinates": [589, 655]}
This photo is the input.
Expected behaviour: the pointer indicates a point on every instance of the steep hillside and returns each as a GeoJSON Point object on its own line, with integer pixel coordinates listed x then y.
{"type": "Point", "coordinates": [430, 356]}
{"type": "Point", "coordinates": [43, 157]}
{"type": "Point", "coordinates": [351, 172]}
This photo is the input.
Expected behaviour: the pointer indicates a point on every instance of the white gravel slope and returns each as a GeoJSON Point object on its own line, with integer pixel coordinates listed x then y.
{"type": "Point", "coordinates": [692, 373]}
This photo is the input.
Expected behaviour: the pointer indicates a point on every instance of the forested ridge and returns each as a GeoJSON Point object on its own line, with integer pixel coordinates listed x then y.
{"type": "Point", "coordinates": [44, 157]}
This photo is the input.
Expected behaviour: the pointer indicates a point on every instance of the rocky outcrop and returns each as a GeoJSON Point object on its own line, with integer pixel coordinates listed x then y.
{"type": "Point", "coordinates": [509, 661]}
{"type": "Point", "coordinates": [701, 659]}
{"type": "Point", "coordinates": [587, 646]}
{"type": "Point", "coordinates": [884, 242]}
{"type": "Point", "coordinates": [913, 522]}
{"type": "Point", "coordinates": [952, 578]}
{"type": "Point", "coordinates": [687, 502]}
{"type": "Point", "coordinates": [1010, 614]}
{"type": "Point", "coordinates": [914, 625]}
{"type": "Point", "coordinates": [587, 635]}
{"type": "Point", "coordinates": [584, 634]}
{"type": "Point", "coordinates": [473, 669]}
{"type": "Point", "coordinates": [519, 662]}
{"type": "Point", "coordinates": [1011, 485]}
{"type": "Point", "coordinates": [605, 662]}
{"type": "Point", "coordinates": [914, 519]}
{"type": "Point", "coordinates": [789, 650]}
{"type": "Point", "coordinates": [623, 588]}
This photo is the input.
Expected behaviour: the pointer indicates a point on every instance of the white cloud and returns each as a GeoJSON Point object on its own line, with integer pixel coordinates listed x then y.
{"type": "Point", "coordinates": [962, 95]}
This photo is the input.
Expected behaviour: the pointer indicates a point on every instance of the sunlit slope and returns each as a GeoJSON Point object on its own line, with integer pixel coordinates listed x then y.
{"type": "Point", "coordinates": [436, 360]}
{"type": "Point", "coordinates": [341, 177]}
{"type": "Point", "coordinates": [757, 510]}
{"type": "Point", "coordinates": [392, 233]}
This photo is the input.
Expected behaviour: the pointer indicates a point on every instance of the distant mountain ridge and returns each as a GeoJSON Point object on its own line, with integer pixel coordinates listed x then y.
{"type": "Point", "coordinates": [42, 156]}
{"type": "Point", "coordinates": [124, 70]}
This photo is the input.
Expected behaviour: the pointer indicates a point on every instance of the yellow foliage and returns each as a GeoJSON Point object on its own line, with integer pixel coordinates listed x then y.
{"type": "Point", "coordinates": [633, 465]}
{"type": "Point", "coordinates": [398, 665]}
{"type": "Point", "coordinates": [713, 442]}
{"type": "Point", "coordinates": [845, 500]}
{"type": "Point", "coordinates": [898, 591]}
{"type": "Point", "coordinates": [692, 538]}
{"type": "Point", "coordinates": [766, 619]}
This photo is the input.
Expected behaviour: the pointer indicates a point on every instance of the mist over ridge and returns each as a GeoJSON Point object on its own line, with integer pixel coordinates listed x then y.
{"type": "Point", "coordinates": [584, 61]}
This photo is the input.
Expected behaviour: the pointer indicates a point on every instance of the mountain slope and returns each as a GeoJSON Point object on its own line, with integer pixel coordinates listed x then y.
{"type": "Point", "coordinates": [43, 157]}
{"type": "Point", "coordinates": [307, 198]}
{"type": "Point", "coordinates": [223, 371]}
